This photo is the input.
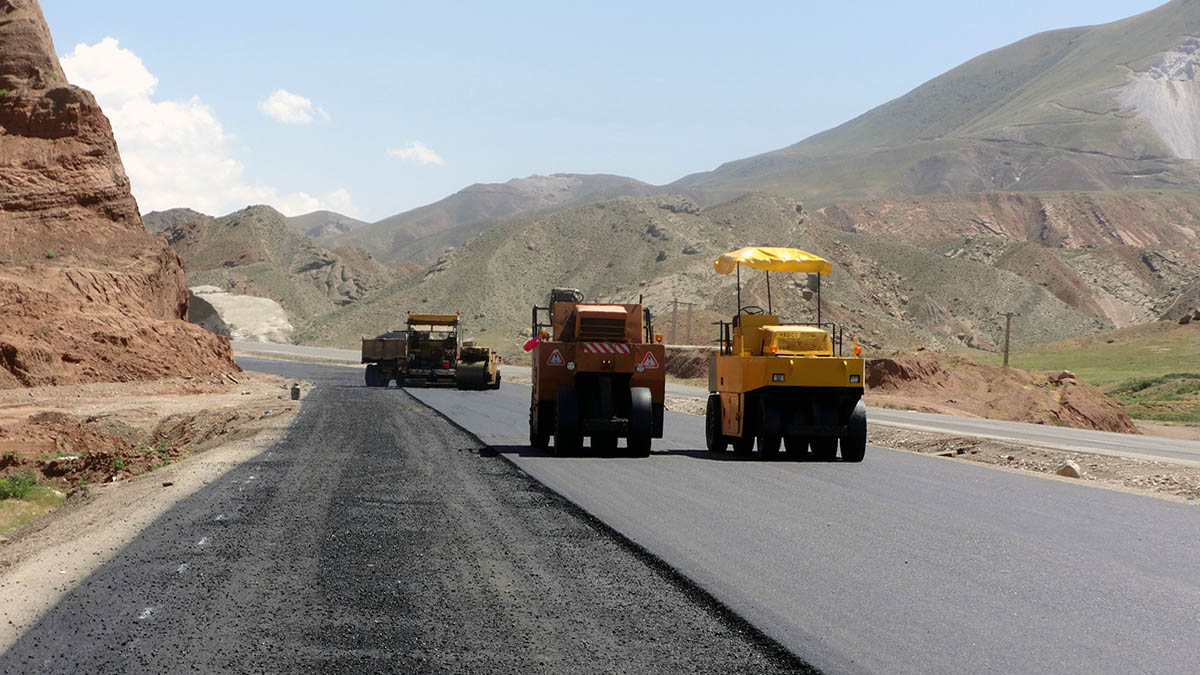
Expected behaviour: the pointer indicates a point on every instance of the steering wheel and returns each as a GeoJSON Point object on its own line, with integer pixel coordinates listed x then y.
{"type": "Point", "coordinates": [751, 309]}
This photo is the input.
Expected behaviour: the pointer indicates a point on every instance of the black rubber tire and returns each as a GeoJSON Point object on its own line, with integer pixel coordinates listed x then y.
{"type": "Point", "coordinates": [496, 384]}
{"type": "Point", "coordinates": [854, 443]}
{"type": "Point", "coordinates": [714, 440]}
{"type": "Point", "coordinates": [824, 449]}
{"type": "Point", "coordinates": [742, 446]}
{"type": "Point", "coordinates": [604, 444]}
{"type": "Point", "coordinates": [470, 376]}
{"type": "Point", "coordinates": [373, 377]}
{"type": "Point", "coordinates": [641, 422]}
{"type": "Point", "coordinates": [797, 448]}
{"type": "Point", "coordinates": [567, 438]}
{"type": "Point", "coordinates": [768, 448]}
{"type": "Point", "coordinates": [538, 441]}
{"type": "Point", "coordinates": [769, 439]}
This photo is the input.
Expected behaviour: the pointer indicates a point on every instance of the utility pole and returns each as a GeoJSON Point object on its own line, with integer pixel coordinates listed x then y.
{"type": "Point", "coordinates": [1007, 332]}
{"type": "Point", "coordinates": [674, 321]}
{"type": "Point", "coordinates": [689, 323]}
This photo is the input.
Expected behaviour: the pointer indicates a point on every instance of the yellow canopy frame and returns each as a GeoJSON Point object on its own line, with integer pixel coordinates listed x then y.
{"type": "Point", "coordinates": [773, 259]}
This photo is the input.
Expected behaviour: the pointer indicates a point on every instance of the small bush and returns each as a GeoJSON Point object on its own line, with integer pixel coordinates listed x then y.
{"type": "Point", "coordinates": [16, 487]}
{"type": "Point", "coordinates": [118, 464]}
{"type": "Point", "coordinates": [51, 254]}
{"type": "Point", "coordinates": [3, 93]}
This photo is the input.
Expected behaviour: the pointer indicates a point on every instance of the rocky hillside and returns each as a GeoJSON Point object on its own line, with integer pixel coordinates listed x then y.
{"type": "Point", "coordinates": [256, 252]}
{"type": "Point", "coordinates": [86, 293]}
{"type": "Point", "coordinates": [1111, 107]}
{"type": "Point", "coordinates": [324, 226]}
{"type": "Point", "coordinates": [422, 234]}
{"type": "Point", "coordinates": [887, 291]}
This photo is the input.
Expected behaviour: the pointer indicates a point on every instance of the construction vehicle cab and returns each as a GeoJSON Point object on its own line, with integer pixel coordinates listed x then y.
{"type": "Point", "coordinates": [783, 383]}
{"type": "Point", "coordinates": [598, 372]}
{"type": "Point", "coordinates": [432, 349]}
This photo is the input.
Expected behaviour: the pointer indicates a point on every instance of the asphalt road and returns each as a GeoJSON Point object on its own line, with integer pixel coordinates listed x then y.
{"type": "Point", "coordinates": [1059, 438]}
{"type": "Point", "coordinates": [902, 564]}
{"type": "Point", "coordinates": [378, 537]}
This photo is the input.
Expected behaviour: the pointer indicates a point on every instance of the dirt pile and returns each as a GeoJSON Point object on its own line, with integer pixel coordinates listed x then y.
{"type": "Point", "coordinates": [927, 384]}
{"type": "Point", "coordinates": [85, 292]}
{"type": "Point", "coordinates": [92, 433]}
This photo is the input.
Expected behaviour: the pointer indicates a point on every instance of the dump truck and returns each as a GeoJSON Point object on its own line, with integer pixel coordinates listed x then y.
{"type": "Point", "coordinates": [426, 353]}
{"type": "Point", "coordinates": [783, 383]}
{"type": "Point", "coordinates": [384, 356]}
{"type": "Point", "coordinates": [598, 372]}
{"type": "Point", "coordinates": [478, 367]}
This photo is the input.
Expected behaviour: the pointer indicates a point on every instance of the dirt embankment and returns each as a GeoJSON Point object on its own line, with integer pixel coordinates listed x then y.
{"type": "Point", "coordinates": [929, 384]}
{"type": "Point", "coordinates": [86, 294]}
{"type": "Point", "coordinates": [926, 384]}
{"type": "Point", "coordinates": [76, 435]}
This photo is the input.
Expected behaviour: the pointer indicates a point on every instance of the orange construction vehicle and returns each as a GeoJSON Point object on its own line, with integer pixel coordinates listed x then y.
{"type": "Point", "coordinates": [598, 371]}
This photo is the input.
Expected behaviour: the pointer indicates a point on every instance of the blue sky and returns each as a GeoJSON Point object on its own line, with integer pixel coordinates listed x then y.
{"type": "Point", "coordinates": [465, 92]}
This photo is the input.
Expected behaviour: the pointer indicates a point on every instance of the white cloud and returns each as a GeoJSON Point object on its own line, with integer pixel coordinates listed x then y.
{"type": "Point", "coordinates": [291, 108]}
{"type": "Point", "coordinates": [176, 152]}
{"type": "Point", "coordinates": [418, 152]}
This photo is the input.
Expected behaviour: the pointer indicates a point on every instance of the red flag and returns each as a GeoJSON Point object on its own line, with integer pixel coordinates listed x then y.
{"type": "Point", "coordinates": [533, 342]}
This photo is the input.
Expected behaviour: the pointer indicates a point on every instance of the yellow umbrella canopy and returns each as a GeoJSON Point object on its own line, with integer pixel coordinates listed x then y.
{"type": "Point", "coordinates": [772, 260]}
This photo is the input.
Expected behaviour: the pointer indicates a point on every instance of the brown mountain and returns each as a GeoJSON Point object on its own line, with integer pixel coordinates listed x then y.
{"type": "Point", "coordinates": [256, 251]}
{"type": "Point", "coordinates": [420, 235]}
{"type": "Point", "coordinates": [86, 293]}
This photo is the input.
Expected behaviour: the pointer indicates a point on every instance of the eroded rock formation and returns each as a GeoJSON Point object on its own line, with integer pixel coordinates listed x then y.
{"type": "Point", "coordinates": [86, 293]}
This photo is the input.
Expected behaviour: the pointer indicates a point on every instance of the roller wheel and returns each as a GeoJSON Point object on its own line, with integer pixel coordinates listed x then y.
{"type": "Point", "coordinates": [539, 441]}
{"type": "Point", "coordinates": [604, 444]}
{"type": "Point", "coordinates": [824, 449]}
{"type": "Point", "coordinates": [713, 438]}
{"type": "Point", "coordinates": [768, 447]}
{"type": "Point", "coordinates": [854, 443]}
{"type": "Point", "coordinates": [743, 445]}
{"type": "Point", "coordinates": [373, 376]}
{"type": "Point", "coordinates": [797, 447]}
{"type": "Point", "coordinates": [641, 422]}
{"type": "Point", "coordinates": [567, 438]}
{"type": "Point", "coordinates": [496, 384]}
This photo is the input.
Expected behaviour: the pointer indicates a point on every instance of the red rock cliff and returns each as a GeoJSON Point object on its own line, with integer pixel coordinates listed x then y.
{"type": "Point", "coordinates": [86, 294]}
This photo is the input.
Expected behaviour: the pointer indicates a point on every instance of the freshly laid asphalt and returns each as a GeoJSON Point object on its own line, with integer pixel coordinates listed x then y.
{"type": "Point", "coordinates": [902, 564]}
{"type": "Point", "coordinates": [378, 537]}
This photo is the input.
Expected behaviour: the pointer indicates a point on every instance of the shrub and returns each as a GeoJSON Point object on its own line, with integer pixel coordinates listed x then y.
{"type": "Point", "coordinates": [16, 487]}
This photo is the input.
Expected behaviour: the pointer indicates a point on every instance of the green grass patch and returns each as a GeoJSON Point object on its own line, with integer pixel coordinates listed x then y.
{"type": "Point", "coordinates": [15, 512]}
{"type": "Point", "coordinates": [3, 93]}
{"type": "Point", "coordinates": [16, 487]}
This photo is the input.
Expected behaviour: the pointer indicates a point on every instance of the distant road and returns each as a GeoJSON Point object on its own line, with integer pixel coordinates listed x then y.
{"type": "Point", "coordinates": [1058, 438]}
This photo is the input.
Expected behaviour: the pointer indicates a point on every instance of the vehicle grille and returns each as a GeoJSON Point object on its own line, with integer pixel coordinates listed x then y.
{"type": "Point", "coordinates": [591, 328]}
{"type": "Point", "coordinates": [802, 342]}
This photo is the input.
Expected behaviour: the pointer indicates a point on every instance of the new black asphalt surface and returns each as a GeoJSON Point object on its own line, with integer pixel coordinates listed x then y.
{"type": "Point", "coordinates": [378, 537]}
{"type": "Point", "coordinates": [902, 564]}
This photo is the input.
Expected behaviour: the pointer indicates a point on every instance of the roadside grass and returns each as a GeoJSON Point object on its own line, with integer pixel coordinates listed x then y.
{"type": "Point", "coordinates": [1153, 371]}
{"type": "Point", "coordinates": [22, 500]}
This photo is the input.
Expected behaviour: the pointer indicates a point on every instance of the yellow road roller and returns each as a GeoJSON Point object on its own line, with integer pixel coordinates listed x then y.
{"type": "Point", "coordinates": [783, 384]}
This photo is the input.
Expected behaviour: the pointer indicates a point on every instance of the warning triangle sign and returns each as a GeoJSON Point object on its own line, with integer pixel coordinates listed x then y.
{"type": "Point", "coordinates": [555, 359]}
{"type": "Point", "coordinates": [649, 361]}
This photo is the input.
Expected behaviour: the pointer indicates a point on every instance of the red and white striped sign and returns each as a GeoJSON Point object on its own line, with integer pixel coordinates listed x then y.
{"type": "Point", "coordinates": [605, 348]}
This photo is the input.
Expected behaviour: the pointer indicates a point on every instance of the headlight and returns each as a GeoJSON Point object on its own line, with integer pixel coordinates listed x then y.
{"type": "Point", "coordinates": [778, 377]}
{"type": "Point", "coordinates": [641, 368]}
{"type": "Point", "coordinates": [570, 365]}
{"type": "Point", "coordinates": [855, 379]}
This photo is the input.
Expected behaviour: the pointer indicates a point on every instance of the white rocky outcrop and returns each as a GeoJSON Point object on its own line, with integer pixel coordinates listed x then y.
{"type": "Point", "coordinates": [239, 317]}
{"type": "Point", "coordinates": [1167, 95]}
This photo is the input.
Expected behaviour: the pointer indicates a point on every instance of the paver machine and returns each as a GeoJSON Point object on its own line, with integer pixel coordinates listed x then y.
{"type": "Point", "coordinates": [783, 383]}
{"type": "Point", "coordinates": [598, 372]}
